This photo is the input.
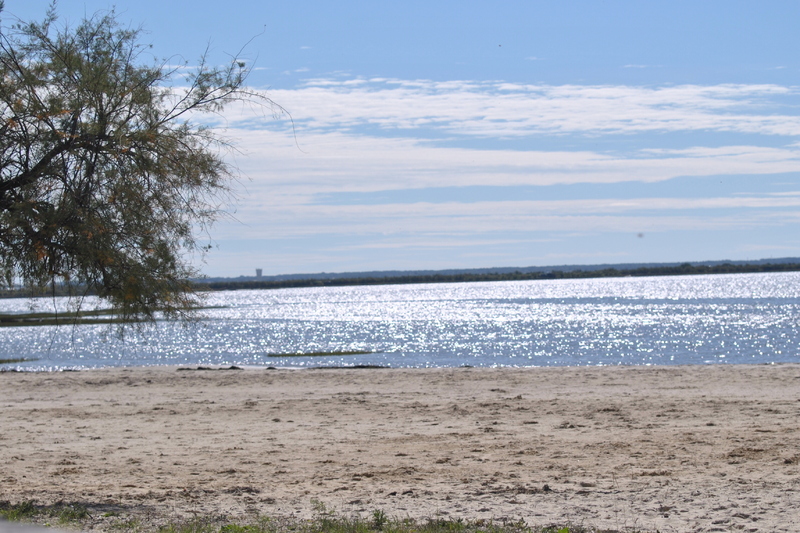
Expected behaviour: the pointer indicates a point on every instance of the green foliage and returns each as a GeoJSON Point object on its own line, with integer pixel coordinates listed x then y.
{"type": "Point", "coordinates": [29, 511]}
{"type": "Point", "coordinates": [193, 526]}
{"type": "Point", "coordinates": [441, 525]}
{"type": "Point", "coordinates": [72, 513]}
{"type": "Point", "coordinates": [379, 519]}
{"type": "Point", "coordinates": [236, 528]}
{"type": "Point", "coordinates": [326, 520]}
{"type": "Point", "coordinates": [105, 181]}
{"type": "Point", "coordinates": [21, 511]}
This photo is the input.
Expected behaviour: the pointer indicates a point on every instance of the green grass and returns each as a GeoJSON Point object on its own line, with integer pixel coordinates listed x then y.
{"type": "Point", "coordinates": [72, 513]}
{"type": "Point", "coordinates": [95, 316]}
{"type": "Point", "coordinates": [85, 517]}
{"type": "Point", "coordinates": [60, 514]}
{"type": "Point", "coordinates": [377, 523]}
{"type": "Point", "coordinates": [49, 318]}
{"type": "Point", "coordinates": [320, 354]}
{"type": "Point", "coordinates": [20, 512]}
{"type": "Point", "coordinates": [15, 360]}
{"type": "Point", "coordinates": [30, 512]}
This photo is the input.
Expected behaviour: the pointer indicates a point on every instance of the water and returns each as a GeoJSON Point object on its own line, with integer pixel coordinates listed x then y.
{"type": "Point", "coordinates": [740, 318]}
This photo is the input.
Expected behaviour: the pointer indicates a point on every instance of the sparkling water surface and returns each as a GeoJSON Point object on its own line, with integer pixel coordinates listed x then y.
{"type": "Point", "coordinates": [737, 318]}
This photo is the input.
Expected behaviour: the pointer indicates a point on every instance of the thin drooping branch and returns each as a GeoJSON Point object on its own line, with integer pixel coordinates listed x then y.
{"type": "Point", "coordinates": [104, 178]}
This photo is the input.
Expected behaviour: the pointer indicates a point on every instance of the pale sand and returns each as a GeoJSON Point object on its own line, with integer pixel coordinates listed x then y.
{"type": "Point", "coordinates": [711, 448]}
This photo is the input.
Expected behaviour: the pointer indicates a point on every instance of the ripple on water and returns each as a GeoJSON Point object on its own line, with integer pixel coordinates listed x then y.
{"type": "Point", "coordinates": [740, 318]}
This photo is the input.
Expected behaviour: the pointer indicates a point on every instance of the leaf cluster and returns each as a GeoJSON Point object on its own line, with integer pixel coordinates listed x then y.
{"type": "Point", "coordinates": [105, 180]}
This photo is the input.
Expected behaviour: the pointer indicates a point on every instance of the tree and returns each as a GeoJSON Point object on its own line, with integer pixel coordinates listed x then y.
{"type": "Point", "coordinates": [105, 182]}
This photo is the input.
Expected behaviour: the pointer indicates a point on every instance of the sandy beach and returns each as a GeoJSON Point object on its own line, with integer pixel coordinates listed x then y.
{"type": "Point", "coordinates": [701, 448]}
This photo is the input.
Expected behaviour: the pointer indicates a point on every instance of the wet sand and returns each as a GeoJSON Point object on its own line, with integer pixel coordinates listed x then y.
{"type": "Point", "coordinates": [703, 448]}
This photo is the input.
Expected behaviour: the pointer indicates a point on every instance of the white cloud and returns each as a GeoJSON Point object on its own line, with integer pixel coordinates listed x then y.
{"type": "Point", "coordinates": [426, 218]}
{"type": "Point", "coordinates": [338, 162]}
{"type": "Point", "coordinates": [502, 109]}
{"type": "Point", "coordinates": [436, 242]}
{"type": "Point", "coordinates": [370, 135]}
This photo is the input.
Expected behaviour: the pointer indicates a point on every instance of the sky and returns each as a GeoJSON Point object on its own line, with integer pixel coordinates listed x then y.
{"type": "Point", "coordinates": [465, 134]}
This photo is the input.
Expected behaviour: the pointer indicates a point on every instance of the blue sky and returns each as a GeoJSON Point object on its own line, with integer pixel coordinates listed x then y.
{"type": "Point", "coordinates": [463, 134]}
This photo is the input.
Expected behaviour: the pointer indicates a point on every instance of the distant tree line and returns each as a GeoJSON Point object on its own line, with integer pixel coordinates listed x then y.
{"type": "Point", "coordinates": [685, 269]}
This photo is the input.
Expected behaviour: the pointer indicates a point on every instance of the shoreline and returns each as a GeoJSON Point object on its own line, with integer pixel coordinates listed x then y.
{"type": "Point", "coordinates": [259, 368]}
{"type": "Point", "coordinates": [675, 448]}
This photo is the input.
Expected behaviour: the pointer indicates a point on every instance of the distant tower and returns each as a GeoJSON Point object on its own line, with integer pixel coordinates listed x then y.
{"type": "Point", "coordinates": [258, 272]}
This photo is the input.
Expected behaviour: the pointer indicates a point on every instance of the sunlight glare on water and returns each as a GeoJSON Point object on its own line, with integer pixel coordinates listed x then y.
{"type": "Point", "coordinates": [741, 318]}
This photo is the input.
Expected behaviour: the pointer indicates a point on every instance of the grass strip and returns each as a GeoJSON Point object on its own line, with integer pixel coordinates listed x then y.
{"type": "Point", "coordinates": [49, 318]}
{"type": "Point", "coordinates": [320, 354]}
{"type": "Point", "coordinates": [15, 360]}
{"type": "Point", "coordinates": [117, 519]}
{"type": "Point", "coordinates": [94, 316]}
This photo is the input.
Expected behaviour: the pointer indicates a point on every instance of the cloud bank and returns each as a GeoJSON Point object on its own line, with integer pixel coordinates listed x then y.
{"type": "Point", "coordinates": [366, 136]}
{"type": "Point", "coordinates": [501, 109]}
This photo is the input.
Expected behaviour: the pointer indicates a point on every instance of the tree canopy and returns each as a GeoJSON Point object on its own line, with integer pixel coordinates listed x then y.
{"type": "Point", "coordinates": [106, 183]}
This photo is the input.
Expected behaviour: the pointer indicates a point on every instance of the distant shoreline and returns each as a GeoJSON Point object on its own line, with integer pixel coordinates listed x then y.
{"type": "Point", "coordinates": [685, 269]}
{"type": "Point", "coordinates": [466, 276]}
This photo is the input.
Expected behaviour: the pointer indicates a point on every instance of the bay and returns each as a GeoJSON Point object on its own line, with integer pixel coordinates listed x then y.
{"type": "Point", "coordinates": [731, 319]}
